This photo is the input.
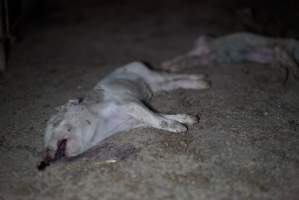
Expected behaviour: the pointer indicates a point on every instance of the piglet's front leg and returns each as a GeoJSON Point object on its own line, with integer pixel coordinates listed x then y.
{"type": "Point", "coordinates": [172, 123]}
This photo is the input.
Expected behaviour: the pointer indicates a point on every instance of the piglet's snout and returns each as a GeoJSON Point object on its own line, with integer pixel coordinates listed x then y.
{"type": "Point", "coordinates": [53, 156]}
{"type": "Point", "coordinates": [61, 147]}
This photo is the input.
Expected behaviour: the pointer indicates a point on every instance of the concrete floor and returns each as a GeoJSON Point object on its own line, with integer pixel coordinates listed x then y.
{"type": "Point", "coordinates": [246, 145]}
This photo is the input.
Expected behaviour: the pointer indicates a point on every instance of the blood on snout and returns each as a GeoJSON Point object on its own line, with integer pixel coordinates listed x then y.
{"type": "Point", "coordinates": [60, 153]}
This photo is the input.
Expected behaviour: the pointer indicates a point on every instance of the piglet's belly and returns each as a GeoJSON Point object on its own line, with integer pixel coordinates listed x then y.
{"type": "Point", "coordinates": [115, 123]}
{"type": "Point", "coordinates": [121, 87]}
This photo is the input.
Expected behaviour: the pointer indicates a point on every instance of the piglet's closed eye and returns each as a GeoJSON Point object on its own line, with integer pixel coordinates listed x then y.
{"type": "Point", "coordinates": [60, 153]}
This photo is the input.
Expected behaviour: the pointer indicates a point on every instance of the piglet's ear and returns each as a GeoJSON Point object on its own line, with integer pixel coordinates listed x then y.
{"type": "Point", "coordinates": [75, 101]}
{"type": "Point", "coordinates": [59, 108]}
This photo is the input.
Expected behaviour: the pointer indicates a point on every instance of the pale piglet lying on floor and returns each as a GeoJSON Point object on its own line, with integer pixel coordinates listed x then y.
{"type": "Point", "coordinates": [117, 103]}
{"type": "Point", "coordinates": [240, 48]}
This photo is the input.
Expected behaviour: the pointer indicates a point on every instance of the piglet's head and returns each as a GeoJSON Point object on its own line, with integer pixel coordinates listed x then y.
{"type": "Point", "coordinates": [69, 132]}
{"type": "Point", "coordinates": [62, 140]}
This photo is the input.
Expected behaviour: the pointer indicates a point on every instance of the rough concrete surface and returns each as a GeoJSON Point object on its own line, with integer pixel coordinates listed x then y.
{"type": "Point", "coordinates": [246, 145]}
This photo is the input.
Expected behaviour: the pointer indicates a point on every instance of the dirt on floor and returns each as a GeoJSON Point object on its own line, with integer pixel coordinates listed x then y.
{"type": "Point", "coordinates": [246, 145]}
